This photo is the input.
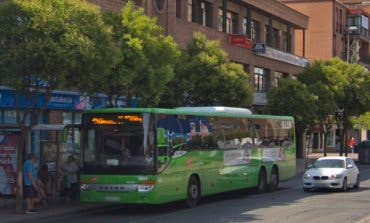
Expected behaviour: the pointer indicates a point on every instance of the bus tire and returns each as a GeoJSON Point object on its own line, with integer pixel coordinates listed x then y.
{"type": "Point", "coordinates": [193, 192]}
{"type": "Point", "coordinates": [274, 184]}
{"type": "Point", "coordinates": [261, 187]}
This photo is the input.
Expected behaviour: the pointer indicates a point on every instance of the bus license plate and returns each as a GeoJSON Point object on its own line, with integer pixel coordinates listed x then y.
{"type": "Point", "coordinates": [111, 199]}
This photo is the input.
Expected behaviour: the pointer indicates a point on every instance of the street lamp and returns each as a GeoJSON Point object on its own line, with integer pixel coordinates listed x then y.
{"type": "Point", "coordinates": [349, 30]}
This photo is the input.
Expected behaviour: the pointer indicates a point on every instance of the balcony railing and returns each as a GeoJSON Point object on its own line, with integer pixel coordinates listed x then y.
{"type": "Point", "coordinates": [358, 30]}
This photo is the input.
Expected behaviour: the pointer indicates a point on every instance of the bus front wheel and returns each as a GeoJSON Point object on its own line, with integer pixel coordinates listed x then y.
{"type": "Point", "coordinates": [261, 188]}
{"type": "Point", "coordinates": [193, 192]}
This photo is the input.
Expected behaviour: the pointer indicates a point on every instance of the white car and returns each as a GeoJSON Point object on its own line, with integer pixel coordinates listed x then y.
{"type": "Point", "coordinates": [333, 173]}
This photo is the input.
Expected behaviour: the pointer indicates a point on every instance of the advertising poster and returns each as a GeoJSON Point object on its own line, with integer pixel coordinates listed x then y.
{"type": "Point", "coordinates": [8, 164]}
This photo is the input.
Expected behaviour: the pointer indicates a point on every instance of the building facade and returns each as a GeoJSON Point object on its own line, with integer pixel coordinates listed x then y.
{"type": "Point", "coordinates": [325, 35]}
{"type": "Point", "coordinates": [259, 35]}
{"type": "Point", "coordinates": [336, 29]}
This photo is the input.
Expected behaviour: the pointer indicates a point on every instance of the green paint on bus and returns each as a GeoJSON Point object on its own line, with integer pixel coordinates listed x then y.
{"type": "Point", "coordinates": [154, 156]}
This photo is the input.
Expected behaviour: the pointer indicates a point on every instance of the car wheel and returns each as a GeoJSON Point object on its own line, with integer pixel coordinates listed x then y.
{"type": "Point", "coordinates": [344, 186]}
{"type": "Point", "coordinates": [261, 188]}
{"type": "Point", "coordinates": [193, 192]}
{"type": "Point", "coordinates": [274, 180]}
{"type": "Point", "coordinates": [357, 185]}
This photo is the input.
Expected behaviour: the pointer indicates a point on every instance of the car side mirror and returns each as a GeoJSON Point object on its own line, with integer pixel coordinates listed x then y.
{"type": "Point", "coordinates": [350, 166]}
{"type": "Point", "coordinates": [309, 166]}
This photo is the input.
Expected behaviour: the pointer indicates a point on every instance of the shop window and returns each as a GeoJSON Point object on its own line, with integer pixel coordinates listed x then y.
{"type": "Point", "coordinates": [160, 5]}
{"type": "Point", "coordinates": [67, 118]}
{"type": "Point", "coordinates": [200, 11]}
{"type": "Point", "coordinates": [277, 76]}
{"type": "Point", "coordinates": [275, 38]}
{"type": "Point", "coordinates": [178, 8]}
{"type": "Point", "coordinates": [231, 22]}
{"type": "Point", "coordinates": [10, 117]}
{"type": "Point", "coordinates": [259, 79]}
{"type": "Point", "coordinates": [287, 41]}
{"type": "Point", "coordinates": [255, 31]}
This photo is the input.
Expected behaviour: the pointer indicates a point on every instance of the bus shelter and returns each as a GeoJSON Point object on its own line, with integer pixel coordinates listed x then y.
{"type": "Point", "coordinates": [52, 143]}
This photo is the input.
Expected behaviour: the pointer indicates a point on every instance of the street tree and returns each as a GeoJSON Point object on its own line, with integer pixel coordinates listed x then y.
{"type": "Point", "coordinates": [294, 99]}
{"type": "Point", "coordinates": [325, 105]}
{"type": "Point", "coordinates": [206, 77]}
{"type": "Point", "coordinates": [362, 121]}
{"type": "Point", "coordinates": [350, 84]}
{"type": "Point", "coordinates": [49, 44]}
{"type": "Point", "coordinates": [146, 59]}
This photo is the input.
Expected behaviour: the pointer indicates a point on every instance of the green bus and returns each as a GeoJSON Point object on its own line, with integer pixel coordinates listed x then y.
{"type": "Point", "coordinates": [155, 156]}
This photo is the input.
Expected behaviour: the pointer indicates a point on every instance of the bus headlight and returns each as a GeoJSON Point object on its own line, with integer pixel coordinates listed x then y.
{"type": "Point", "coordinates": [84, 187]}
{"type": "Point", "coordinates": [145, 186]}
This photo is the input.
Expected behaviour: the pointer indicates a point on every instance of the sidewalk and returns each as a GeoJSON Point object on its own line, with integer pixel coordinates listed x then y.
{"type": "Point", "coordinates": [8, 213]}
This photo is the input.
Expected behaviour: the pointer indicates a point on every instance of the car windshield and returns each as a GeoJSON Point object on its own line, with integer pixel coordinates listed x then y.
{"type": "Point", "coordinates": [328, 163]}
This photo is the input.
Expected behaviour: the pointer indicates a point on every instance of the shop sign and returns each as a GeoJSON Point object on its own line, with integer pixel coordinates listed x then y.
{"type": "Point", "coordinates": [259, 48]}
{"type": "Point", "coordinates": [241, 41]}
{"type": "Point", "coordinates": [283, 56]}
{"type": "Point", "coordinates": [66, 101]}
{"type": "Point", "coordinates": [62, 101]}
{"type": "Point", "coordinates": [8, 163]}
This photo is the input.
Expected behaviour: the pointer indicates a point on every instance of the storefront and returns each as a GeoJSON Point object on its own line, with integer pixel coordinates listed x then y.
{"type": "Point", "coordinates": [45, 139]}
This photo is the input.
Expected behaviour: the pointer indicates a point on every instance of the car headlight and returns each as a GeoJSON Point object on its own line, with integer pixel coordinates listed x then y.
{"type": "Point", "coordinates": [307, 176]}
{"type": "Point", "coordinates": [336, 176]}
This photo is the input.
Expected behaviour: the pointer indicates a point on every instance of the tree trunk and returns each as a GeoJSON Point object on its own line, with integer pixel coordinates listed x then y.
{"type": "Point", "coordinates": [20, 152]}
{"type": "Point", "coordinates": [300, 142]}
{"type": "Point", "coordinates": [325, 142]}
{"type": "Point", "coordinates": [341, 134]}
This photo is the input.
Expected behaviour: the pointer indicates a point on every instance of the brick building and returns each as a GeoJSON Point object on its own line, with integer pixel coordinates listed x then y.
{"type": "Point", "coordinates": [325, 36]}
{"type": "Point", "coordinates": [267, 25]}
{"type": "Point", "coordinates": [337, 28]}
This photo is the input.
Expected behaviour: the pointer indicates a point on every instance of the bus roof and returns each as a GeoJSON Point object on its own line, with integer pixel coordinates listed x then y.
{"type": "Point", "coordinates": [216, 109]}
{"type": "Point", "coordinates": [203, 111]}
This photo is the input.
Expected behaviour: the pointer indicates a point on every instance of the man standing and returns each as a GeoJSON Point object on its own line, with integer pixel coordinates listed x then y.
{"type": "Point", "coordinates": [30, 182]}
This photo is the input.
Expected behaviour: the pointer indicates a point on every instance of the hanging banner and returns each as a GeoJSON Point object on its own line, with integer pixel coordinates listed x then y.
{"type": "Point", "coordinates": [8, 163]}
{"type": "Point", "coordinates": [241, 41]}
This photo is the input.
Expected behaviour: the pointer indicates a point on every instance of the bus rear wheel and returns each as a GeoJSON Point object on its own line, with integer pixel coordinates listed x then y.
{"type": "Point", "coordinates": [273, 186]}
{"type": "Point", "coordinates": [193, 192]}
{"type": "Point", "coordinates": [261, 187]}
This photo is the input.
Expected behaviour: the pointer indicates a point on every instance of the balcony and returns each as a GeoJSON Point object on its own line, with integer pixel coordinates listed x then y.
{"type": "Point", "coordinates": [359, 31]}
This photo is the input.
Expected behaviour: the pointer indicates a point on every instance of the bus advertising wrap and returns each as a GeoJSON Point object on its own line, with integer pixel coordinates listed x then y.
{"type": "Point", "coordinates": [8, 164]}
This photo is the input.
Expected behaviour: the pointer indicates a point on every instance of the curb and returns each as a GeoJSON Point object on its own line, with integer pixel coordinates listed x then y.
{"type": "Point", "coordinates": [50, 212]}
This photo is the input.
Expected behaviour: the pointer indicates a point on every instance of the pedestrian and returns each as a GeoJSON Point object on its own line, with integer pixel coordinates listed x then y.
{"type": "Point", "coordinates": [71, 175]}
{"type": "Point", "coordinates": [30, 182]}
{"type": "Point", "coordinates": [352, 144]}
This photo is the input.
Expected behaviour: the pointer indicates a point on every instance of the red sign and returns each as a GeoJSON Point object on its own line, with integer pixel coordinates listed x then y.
{"type": "Point", "coordinates": [241, 41]}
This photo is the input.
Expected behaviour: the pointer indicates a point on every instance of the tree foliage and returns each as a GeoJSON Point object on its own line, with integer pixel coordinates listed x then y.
{"type": "Point", "coordinates": [205, 77]}
{"type": "Point", "coordinates": [294, 99]}
{"type": "Point", "coordinates": [146, 58]}
{"type": "Point", "coordinates": [362, 120]}
{"type": "Point", "coordinates": [47, 44]}
{"type": "Point", "coordinates": [348, 90]}
{"type": "Point", "coordinates": [58, 42]}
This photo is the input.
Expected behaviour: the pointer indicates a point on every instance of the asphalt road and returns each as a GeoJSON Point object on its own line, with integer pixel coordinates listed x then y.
{"type": "Point", "coordinates": [288, 204]}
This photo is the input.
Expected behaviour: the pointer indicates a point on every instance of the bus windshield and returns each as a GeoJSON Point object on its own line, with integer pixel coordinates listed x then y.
{"type": "Point", "coordinates": [118, 143]}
